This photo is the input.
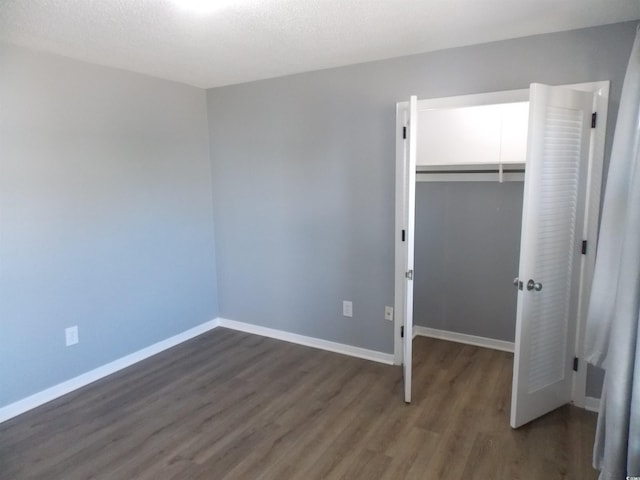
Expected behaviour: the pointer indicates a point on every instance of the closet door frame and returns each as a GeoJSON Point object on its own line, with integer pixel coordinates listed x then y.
{"type": "Point", "coordinates": [589, 227]}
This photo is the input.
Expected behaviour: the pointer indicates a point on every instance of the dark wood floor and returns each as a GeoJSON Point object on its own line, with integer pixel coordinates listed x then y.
{"type": "Point", "coordinates": [232, 405]}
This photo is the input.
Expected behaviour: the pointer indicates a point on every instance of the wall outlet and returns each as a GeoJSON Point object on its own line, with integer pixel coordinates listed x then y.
{"type": "Point", "coordinates": [388, 313]}
{"type": "Point", "coordinates": [71, 335]}
{"type": "Point", "coordinates": [347, 308]}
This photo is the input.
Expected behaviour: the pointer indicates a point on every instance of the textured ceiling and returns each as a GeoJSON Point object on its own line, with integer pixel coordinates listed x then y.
{"type": "Point", "coordinates": [255, 39]}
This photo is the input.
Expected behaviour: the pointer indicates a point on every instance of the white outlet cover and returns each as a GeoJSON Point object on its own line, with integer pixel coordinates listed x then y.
{"type": "Point", "coordinates": [71, 335]}
{"type": "Point", "coordinates": [347, 308]}
{"type": "Point", "coordinates": [388, 313]}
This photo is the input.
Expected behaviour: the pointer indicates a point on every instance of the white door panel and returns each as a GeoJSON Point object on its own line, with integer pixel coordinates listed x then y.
{"type": "Point", "coordinates": [555, 180]}
{"type": "Point", "coordinates": [410, 175]}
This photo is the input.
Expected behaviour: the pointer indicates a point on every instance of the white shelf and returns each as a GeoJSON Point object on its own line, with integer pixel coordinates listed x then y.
{"type": "Point", "coordinates": [480, 134]}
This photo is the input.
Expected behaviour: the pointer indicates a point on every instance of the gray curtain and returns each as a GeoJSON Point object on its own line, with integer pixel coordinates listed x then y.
{"type": "Point", "coordinates": [614, 309]}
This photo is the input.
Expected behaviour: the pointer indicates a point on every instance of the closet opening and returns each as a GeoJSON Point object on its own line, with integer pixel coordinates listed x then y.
{"type": "Point", "coordinates": [467, 247]}
{"type": "Point", "coordinates": [495, 194]}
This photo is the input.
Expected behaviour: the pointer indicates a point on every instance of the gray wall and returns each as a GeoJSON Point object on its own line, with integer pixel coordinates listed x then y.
{"type": "Point", "coordinates": [595, 381]}
{"type": "Point", "coordinates": [467, 248]}
{"type": "Point", "coordinates": [106, 216]}
{"type": "Point", "coordinates": [304, 173]}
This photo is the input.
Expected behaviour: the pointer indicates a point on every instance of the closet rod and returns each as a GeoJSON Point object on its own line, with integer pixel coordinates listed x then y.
{"type": "Point", "coordinates": [470, 176]}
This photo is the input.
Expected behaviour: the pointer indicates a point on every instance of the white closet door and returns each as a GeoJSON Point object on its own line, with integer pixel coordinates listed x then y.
{"type": "Point", "coordinates": [410, 202]}
{"type": "Point", "coordinates": [554, 192]}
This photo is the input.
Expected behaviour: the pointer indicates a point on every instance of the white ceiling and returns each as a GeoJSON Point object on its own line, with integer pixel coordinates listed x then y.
{"type": "Point", "coordinates": [256, 39]}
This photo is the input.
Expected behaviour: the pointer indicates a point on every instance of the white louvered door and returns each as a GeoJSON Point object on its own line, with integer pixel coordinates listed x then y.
{"type": "Point", "coordinates": [554, 193]}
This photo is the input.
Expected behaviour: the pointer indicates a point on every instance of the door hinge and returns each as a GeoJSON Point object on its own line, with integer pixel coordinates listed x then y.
{"type": "Point", "coordinates": [404, 132]}
{"type": "Point", "coordinates": [404, 232]}
{"type": "Point", "coordinates": [584, 247]}
{"type": "Point", "coordinates": [594, 119]}
{"type": "Point", "coordinates": [409, 274]}
{"type": "Point", "coordinates": [575, 364]}
{"type": "Point", "coordinates": [402, 331]}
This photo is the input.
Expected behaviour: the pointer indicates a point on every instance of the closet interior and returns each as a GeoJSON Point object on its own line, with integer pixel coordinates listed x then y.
{"type": "Point", "coordinates": [468, 215]}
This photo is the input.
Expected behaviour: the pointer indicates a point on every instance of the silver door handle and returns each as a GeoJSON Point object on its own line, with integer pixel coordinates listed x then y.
{"type": "Point", "coordinates": [517, 283]}
{"type": "Point", "coordinates": [532, 285]}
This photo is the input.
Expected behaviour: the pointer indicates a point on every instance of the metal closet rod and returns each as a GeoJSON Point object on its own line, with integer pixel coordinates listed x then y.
{"type": "Point", "coordinates": [470, 173]}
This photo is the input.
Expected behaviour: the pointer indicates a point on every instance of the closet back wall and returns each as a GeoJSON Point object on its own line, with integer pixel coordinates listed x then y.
{"type": "Point", "coordinates": [304, 173]}
{"type": "Point", "coordinates": [467, 248]}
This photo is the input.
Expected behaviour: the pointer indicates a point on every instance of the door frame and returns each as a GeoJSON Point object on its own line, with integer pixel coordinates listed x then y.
{"type": "Point", "coordinates": [589, 227]}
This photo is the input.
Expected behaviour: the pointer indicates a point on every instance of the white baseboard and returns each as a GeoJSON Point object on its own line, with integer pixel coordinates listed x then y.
{"type": "Point", "coordinates": [463, 338]}
{"type": "Point", "coordinates": [44, 396]}
{"type": "Point", "coordinates": [374, 355]}
{"type": "Point", "coordinates": [592, 404]}
{"type": "Point", "coordinates": [21, 406]}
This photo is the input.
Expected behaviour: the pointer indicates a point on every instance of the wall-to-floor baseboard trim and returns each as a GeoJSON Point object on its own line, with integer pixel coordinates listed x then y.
{"type": "Point", "coordinates": [21, 406]}
{"type": "Point", "coordinates": [68, 386]}
{"type": "Point", "coordinates": [463, 338]}
{"type": "Point", "coordinates": [592, 404]}
{"type": "Point", "coordinates": [374, 355]}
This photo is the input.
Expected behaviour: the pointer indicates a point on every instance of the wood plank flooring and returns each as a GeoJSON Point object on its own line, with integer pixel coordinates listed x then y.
{"type": "Point", "coordinates": [229, 405]}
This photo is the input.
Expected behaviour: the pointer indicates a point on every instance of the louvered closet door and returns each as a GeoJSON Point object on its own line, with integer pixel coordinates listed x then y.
{"type": "Point", "coordinates": [554, 194]}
